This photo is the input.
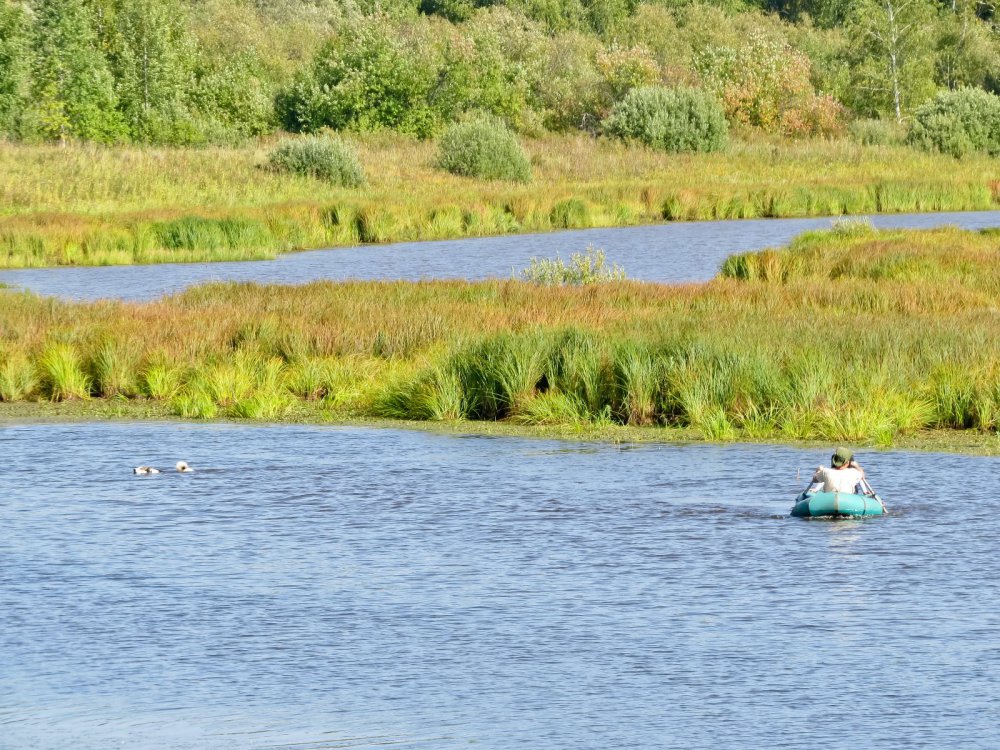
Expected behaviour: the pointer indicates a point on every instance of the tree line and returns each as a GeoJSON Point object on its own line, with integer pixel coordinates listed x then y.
{"type": "Point", "coordinates": [218, 71]}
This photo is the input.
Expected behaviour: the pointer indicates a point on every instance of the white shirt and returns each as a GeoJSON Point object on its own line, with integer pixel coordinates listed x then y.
{"type": "Point", "coordinates": [838, 480]}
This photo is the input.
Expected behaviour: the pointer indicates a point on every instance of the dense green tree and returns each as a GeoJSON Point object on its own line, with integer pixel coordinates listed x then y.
{"type": "Point", "coordinates": [14, 67]}
{"type": "Point", "coordinates": [892, 55]}
{"type": "Point", "coordinates": [73, 89]}
{"type": "Point", "coordinates": [152, 59]}
{"type": "Point", "coordinates": [825, 13]}
{"type": "Point", "coordinates": [233, 98]}
{"type": "Point", "coordinates": [181, 71]}
{"type": "Point", "coordinates": [606, 17]}
{"type": "Point", "coordinates": [557, 15]}
{"type": "Point", "coordinates": [968, 49]}
{"type": "Point", "coordinates": [453, 10]}
{"type": "Point", "coordinates": [365, 78]}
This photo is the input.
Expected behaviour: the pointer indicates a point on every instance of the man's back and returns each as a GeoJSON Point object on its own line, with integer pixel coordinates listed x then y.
{"type": "Point", "coordinates": [838, 480]}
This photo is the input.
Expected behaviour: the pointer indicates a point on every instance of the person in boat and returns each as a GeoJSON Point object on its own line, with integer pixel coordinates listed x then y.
{"type": "Point", "coordinates": [843, 475]}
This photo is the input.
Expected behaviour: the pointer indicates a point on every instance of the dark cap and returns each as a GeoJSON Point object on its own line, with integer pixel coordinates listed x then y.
{"type": "Point", "coordinates": [841, 457]}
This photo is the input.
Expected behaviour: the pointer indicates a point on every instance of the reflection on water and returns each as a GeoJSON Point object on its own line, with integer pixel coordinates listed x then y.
{"type": "Point", "coordinates": [685, 251]}
{"type": "Point", "coordinates": [342, 587]}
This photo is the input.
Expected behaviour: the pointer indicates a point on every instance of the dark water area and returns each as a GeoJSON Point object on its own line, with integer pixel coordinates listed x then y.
{"type": "Point", "coordinates": [676, 252]}
{"type": "Point", "coordinates": [313, 587]}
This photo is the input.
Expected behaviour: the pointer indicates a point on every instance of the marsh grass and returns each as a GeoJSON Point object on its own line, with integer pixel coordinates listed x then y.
{"type": "Point", "coordinates": [63, 377]}
{"type": "Point", "coordinates": [18, 377]}
{"type": "Point", "coordinates": [115, 369]}
{"type": "Point", "coordinates": [846, 335]}
{"type": "Point", "coordinates": [160, 380]}
{"type": "Point", "coordinates": [84, 205]}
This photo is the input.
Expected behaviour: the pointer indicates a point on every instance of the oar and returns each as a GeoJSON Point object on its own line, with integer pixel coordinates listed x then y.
{"type": "Point", "coordinates": [871, 491]}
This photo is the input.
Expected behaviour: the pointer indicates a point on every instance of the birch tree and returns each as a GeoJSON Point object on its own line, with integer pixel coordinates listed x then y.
{"type": "Point", "coordinates": [892, 47]}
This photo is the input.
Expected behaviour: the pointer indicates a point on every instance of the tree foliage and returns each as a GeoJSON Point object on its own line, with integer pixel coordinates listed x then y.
{"type": "Point", "coordinates": [14, 70]}
{"type": "Point", "coordinates": [892, 56]}
{"type": "Point", "coordinates": [195, 71]}
{"type": "Point", "coordinates": [152, 58]}
{"type": "Point", "coordinates": [670, 119]}
{"type": "Point", "coordinates": [958, 123]}
{"type": "Point", "coordinates": [73, 89]}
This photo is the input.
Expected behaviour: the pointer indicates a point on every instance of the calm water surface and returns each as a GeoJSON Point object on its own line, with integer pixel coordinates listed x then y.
{"type": "Point", "coordinates": [686, 251]}
{"type": "Point", "coordinates": [359, 588]}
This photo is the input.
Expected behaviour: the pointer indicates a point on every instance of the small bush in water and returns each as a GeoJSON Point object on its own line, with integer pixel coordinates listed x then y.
{"type": "Point", "coordinates": [483, 147]}
{"type": "Point", "coordinates": [314, 156]}
{"type": "Point", "coordinates": [958, 122]}
{"type": "Point", "coordinates": [583, 268]}
{"type": "Point", "coordinates": [672, 120]}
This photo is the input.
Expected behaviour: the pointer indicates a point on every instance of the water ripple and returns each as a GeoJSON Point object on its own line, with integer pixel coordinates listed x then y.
{"type": "Point", "coordinates": [424, 591]}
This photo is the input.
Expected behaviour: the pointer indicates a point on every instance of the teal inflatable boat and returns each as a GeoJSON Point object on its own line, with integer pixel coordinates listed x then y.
{"type": "Point", "coordinates": [837, 505]}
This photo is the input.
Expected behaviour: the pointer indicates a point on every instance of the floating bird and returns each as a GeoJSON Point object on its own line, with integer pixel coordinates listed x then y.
{"type": "Point", "coordinates": [145, 470]}
{"type": "Point", "coordinates": [183, 467]}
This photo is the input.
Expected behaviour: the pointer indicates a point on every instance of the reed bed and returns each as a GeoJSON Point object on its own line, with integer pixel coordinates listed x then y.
{"type": "Point", "coordinates": [851, 334]}
{"type": "Point", "coordinates": [85, 205]}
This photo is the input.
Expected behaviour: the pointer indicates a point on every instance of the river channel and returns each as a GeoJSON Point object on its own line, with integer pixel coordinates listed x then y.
{"type": "Point", "coordinates": [675, 252]}
{"type": "Point", "coordinates": [343, 587]}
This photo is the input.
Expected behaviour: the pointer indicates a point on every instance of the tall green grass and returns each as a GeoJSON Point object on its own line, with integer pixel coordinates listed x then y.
{"type": "Point", "coordinates": [63, 377]}
{"type": "Point", "coordinates": [851, 334]}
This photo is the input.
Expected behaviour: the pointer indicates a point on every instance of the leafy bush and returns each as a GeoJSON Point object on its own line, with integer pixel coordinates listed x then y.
{"type": "Point", "coordinates": [315, 156]}
{"type": "Point", "coordinates": [371, 76]}
{"type": "Point", "coordinates": [583, 268]}
{"type": "Point", "coordinates": [958, 122]}
{"type": "Point", "coordinates": [234, 100]}
{"type": "Point", "coordinates": [669, 119]}
{"type": "Point", "coordinates": [484, 147]}
{"type": "Point", "coordinates": [763, 82]}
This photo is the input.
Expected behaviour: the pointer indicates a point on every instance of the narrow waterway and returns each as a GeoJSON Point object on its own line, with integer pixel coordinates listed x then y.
{"type": "Point", "coordinates": [317, 588]}
{"type": "Point", "coordinates": [685, 251]}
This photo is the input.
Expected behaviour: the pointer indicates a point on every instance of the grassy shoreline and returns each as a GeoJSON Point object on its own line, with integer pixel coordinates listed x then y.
{"type": "Point", "coordinates": [965, 442]}
{"type": "Point", "coordinates": [86, 205]}
{"type": "Point", "coordinates": [871, 337]}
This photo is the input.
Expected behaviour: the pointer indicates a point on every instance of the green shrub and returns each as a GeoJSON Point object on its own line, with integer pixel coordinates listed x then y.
{"type": "Point", "coordinates": [372, 74]}
{"type": "Point", "coordinates": [958, 122]}
{"type": "Point", "coordinates": [673, 120]}
{"type": "Point", "coordinates": [582, 269]}
{"type": "Point", "coordinates": [483, 147]}
{"type": "Point", "coordinates": [314, 156]}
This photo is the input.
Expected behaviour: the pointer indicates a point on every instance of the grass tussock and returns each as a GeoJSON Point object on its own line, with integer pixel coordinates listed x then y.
{"type": "Point", "coordinates": [86, 205]}
{"type": "Point", "coordinates": [847, 335]}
